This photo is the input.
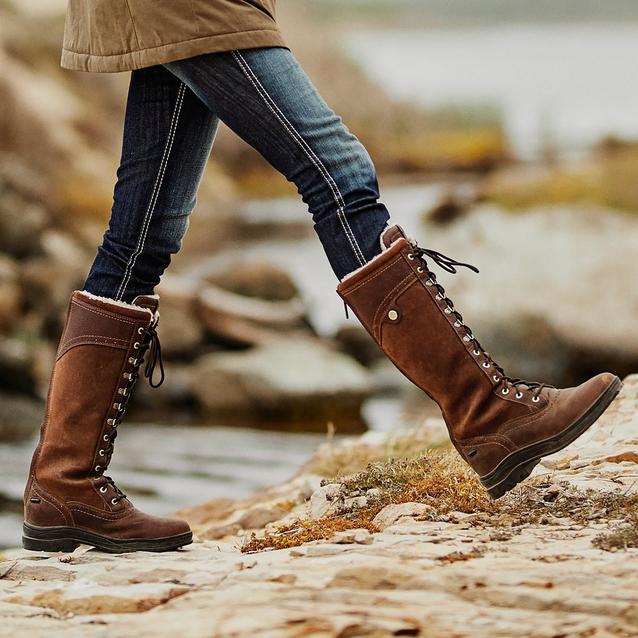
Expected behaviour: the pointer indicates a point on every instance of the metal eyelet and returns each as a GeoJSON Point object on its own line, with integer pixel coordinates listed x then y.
{"type": "Point", "coordinates": [410, 256]}
{"type": "Point", "coordinates": [535, 399]}
{"type": "Point", "coordinates": [496, 379]}
{"type": "Point", "coordinates": [132, 361]}
{"type": "Point", "coordinates": [457, 324]}
{"type": "Point", "coordinates": [101, 452]}
{"type": "Point", "coordinates": [110, 422]}
{"type": "Point", "coordinates": [113, 501]}
{"type": "Point", "coordinates": [98, 468]}
{"type": "Point", "coordinates": [117, 406]}
{"type": "Point", "coordinates": [467, 338]}
{"type": "Point", "coordinates": [393, 315]}
{"type": "Point", "coordinates": [127, 376]}
{"type": "Point", "coordinates": [519, 395]}
{"type": "Point", "coordinates": [105, 438]}
{"type": "Point", "coordinates": [505, 391]}
{"type": "Point", "coordinates": [429, 282]}
{"type": "Point", "coordinates": [419, 269]}
{"type": "Point", "coordinates": [103, 489]}
{"type": "Point", "coordinates": [438, 296]}
{"type": "Point", "coordinates": [140, 331]}
{"type": "Point", "coordinates": [476, 353]}
{"type": "Point", "coordinates": [485, 364]}
{"type": "Point", "coordinates": [448, 311]}
{"type": "Point", "coordinates": [122, 391]}
{"type": "Point", "coordinates": [136, 345]}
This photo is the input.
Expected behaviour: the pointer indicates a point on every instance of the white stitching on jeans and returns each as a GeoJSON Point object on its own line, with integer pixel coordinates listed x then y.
{"type": "Point", "coordinates": [155, 193]}
{"type": "Point", "coordinates": [249, 73]}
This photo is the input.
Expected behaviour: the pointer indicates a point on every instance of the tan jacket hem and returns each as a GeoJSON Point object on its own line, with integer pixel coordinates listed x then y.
{"type": "Point", "coordinates": [77, 61]}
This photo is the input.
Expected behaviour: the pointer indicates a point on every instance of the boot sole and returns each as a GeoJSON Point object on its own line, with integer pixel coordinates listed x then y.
{"type": "Point", "coordinates": [519, 465]}
{"type": "Point", "coordinates": [67, 539]}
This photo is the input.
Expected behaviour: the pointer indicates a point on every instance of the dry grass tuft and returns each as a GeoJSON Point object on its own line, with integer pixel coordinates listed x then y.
{"type": "Point", "coordinates": [620, 537]}
{"type": "Point", "coordinates": [344, 459]}
{"type": "Point", "coordinates": [439, 478]}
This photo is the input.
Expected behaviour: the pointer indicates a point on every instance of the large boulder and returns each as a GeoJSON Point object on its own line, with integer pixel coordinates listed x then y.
{"type": "Point", "coordinates": [179, 328]}
{"type": "Point", "coordinates": [286, 380]}
{"type": "Point", "coordinates": [256, 279]}
{"type": "Point", "coordinates": [240, 320]}
{"type": "Point", "coordinates": [20, 417]}
{"type": "Point", "coordinates": [10, 295]}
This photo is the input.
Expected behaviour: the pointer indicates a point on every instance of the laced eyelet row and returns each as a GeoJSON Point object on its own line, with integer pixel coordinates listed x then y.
{"type": "Point", "coordinates": [113, 421]}
{"type": "Point", "coordinates": [449, 265]}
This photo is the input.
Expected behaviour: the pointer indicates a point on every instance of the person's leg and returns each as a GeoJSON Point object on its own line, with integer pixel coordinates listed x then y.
{"type": "Point", "coordinates": [267, 99]}
{"type": "Point", "coordinates": [68, 498]}
{"type": "Point", "coordinates": [168, 135]}
{"type": "Point", "coordinates": [500, 424]}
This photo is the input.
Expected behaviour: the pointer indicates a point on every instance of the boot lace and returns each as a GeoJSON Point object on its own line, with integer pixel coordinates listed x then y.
{"type": "Point", "coordinates": [450, 265]}
{"type": "Point", "coordinates": [150, 344]}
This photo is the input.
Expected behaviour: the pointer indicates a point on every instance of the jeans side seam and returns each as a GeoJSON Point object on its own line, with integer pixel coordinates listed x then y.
{"type": "Point", "coordinates": [305, 147]}
{"type": "Point", "coordinates": [154, 194]}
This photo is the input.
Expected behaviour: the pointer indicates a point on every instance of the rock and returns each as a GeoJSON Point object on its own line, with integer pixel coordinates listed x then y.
{"type": "Point", "coordinates": [623, 457]}
{"type": "Point", "coordinates": [20, 417]}
{"type": "Point", "coordinates": [392, 514]}
{"type": "Point", "coordinates": [356, 342]}
{"type": "Point", "coordinates": [293, 380]}
{"type": "Point", "coordinates": [571, 345]}
{"type": "Point", "coordinates": [180, 330]}
{"type": "Point", "coordinates": [478, 575]}
{"type": "Point", "coordinates": [134, 598]}
{"type": "Point", "coordinates": [259, 517]}
{"type": "Point", "coordinates": [372, 577]}
{"type": "Point", "coordinates": [217, 532]}
{"type": "Point", "coordinates": [16, 366]}
{"type": "Point", "coordinates": [326, 501]}
{"type": "Point", "coordinates": [247, 321]}
{"type": "Point", "coordinates": [256, 279]}
{"type": "Point", "coordinates": [353, 537]}
{"type": "Point", "coordinates": [150, 404]}
{"type": "Point", "coordinates": [10, 295]}
{"type": "Point", "coordinates": [560, 461]}
{"type": "Point", "coordinates": [47, 284]}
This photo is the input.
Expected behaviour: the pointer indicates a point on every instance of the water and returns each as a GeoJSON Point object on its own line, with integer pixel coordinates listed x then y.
{"type": "Point", "coordinates": [565, 84]}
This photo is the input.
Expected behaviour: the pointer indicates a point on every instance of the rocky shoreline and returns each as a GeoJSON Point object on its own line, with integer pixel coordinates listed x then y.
{"type": "Point", "coordinates": [481, 574]}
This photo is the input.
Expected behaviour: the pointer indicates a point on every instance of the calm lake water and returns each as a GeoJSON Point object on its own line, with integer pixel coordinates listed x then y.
{"type": "Point", "coordinates": [566, 84]}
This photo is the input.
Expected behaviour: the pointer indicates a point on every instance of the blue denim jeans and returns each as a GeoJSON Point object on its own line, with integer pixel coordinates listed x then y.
{"type": "Point", "coordinates": [264, 96]}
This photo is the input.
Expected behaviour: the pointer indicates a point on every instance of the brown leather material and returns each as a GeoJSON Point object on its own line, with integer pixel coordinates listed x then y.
{"type": "Point", "coordinates": [399, 301]}
{"type": "Point", "coordinates": [97, 363]}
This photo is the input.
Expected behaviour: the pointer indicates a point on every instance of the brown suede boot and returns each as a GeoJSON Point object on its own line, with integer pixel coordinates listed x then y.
{"type": "Point", "coordinates": [68, 499]}
{"type": "Point", "coordinates": [500, 425]}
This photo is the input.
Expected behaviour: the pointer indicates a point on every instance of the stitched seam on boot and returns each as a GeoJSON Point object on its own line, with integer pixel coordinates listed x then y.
{"type": "Point", "coordinates": [488, 439]}
{"type": "Point", "coordinates": [96, 341]}
{"type": "Point", "coordinates": [51, 500]}
{"type": "Point", "coordinates": [108, 315]}
{"type": "Point", "coordinates": [388, 301]}
{"type": "Point", "coordinates": [105, 516]}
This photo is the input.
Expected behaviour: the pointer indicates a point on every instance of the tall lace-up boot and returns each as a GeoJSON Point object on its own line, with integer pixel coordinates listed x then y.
{"type": "Point", "coordinates": [502, 426]}
{"type": "Point", "coordinates": [68, 498]}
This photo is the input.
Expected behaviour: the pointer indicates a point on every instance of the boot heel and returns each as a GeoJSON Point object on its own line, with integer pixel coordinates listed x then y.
{"type": "Point", "coordinates": [66, 545]}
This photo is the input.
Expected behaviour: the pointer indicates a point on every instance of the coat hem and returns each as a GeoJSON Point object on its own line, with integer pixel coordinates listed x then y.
{"type": "Point", "coordinates": [129, 61]}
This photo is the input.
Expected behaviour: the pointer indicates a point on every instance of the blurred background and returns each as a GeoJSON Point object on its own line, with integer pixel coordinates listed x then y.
{"type": "Point", "coordinates": [505, 134]}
